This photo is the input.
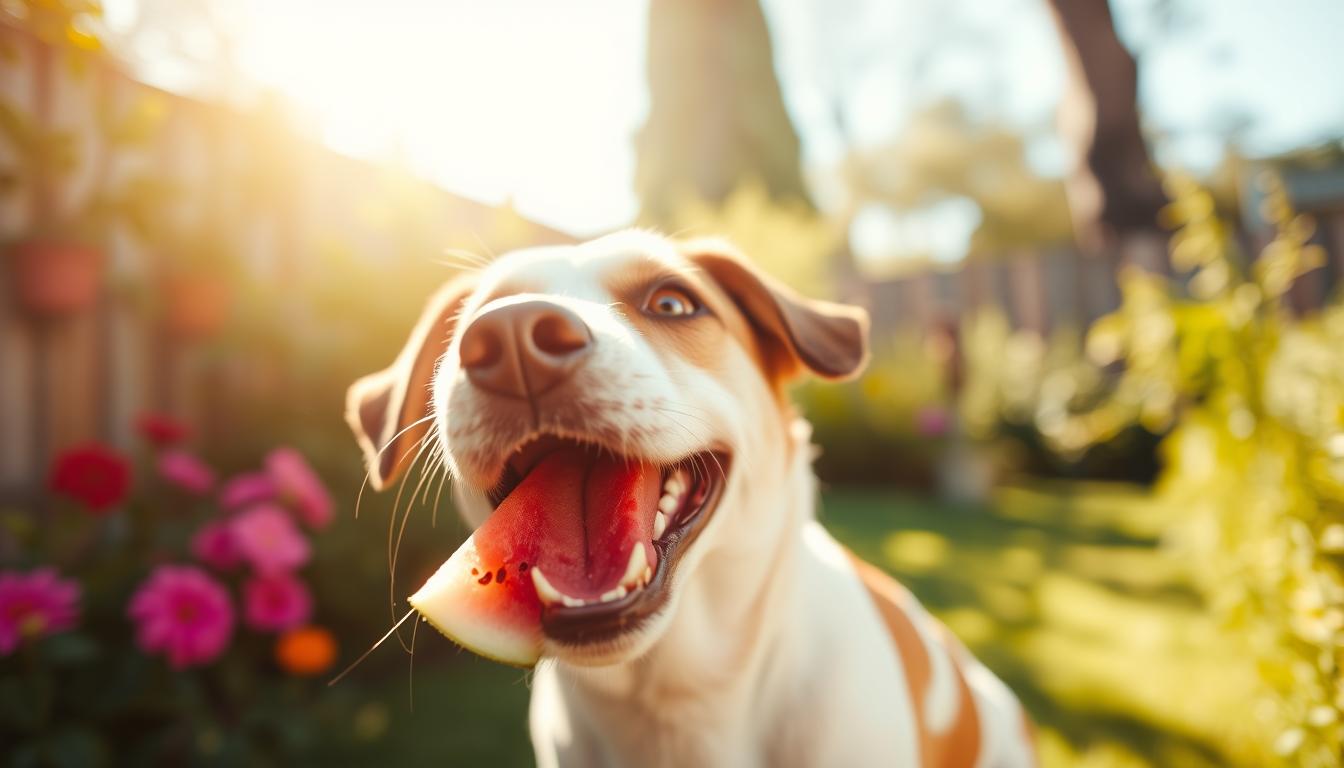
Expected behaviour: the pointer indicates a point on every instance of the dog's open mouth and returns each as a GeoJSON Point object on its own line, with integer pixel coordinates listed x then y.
{"type": "Point", "coordinates": [607, 531]}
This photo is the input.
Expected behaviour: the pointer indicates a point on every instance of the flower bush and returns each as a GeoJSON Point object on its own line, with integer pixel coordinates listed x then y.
{"type": "Point", "coordinates": [138, 607]}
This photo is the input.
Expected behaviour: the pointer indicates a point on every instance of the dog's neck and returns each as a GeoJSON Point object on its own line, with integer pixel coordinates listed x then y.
{"type": "Point", "coordinates": [731, 622]}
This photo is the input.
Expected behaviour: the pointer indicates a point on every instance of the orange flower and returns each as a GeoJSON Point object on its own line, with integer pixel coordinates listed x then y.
{"type": "Point", "coordinates": [306, 651]}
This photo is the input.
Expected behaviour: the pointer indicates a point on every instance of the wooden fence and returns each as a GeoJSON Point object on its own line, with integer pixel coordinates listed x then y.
{"type": "Point", "coordinates": [88, 374]}
{"type": "Point", "coordinates": [1040, 291]}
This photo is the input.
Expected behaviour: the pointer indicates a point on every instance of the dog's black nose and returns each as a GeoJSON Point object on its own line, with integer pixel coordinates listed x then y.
{"type": "Point", "coordinates": [523, 348]}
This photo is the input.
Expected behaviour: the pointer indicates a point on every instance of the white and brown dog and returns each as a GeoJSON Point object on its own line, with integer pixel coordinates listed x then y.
{"type": "Point", "coordinates": [757, 640]}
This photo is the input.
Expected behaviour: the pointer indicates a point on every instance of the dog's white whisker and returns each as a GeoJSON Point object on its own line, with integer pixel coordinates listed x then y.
{"type": "Point", "coordinates": [394, 549]}
{"type": "Point", "coordinates": [410, 669]}
{"type": "Point", "coordinates": [371, 649]}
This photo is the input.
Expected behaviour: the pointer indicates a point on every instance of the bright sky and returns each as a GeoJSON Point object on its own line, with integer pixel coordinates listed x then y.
{"type": "Point", "coordinates": [539, 101]}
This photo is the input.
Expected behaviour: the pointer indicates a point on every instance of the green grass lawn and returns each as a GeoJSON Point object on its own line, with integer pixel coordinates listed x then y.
{"type": "Point", "coordinates": [1059, 588]}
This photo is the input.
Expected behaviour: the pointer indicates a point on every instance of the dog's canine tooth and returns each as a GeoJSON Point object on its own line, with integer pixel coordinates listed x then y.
{"type": "Point", "coordinates": [548, 594]}
{"type": "Point", "coordinates": [639, 562]}
{"type": "Point", "coordinates": [659, 524]}
{"type": "Point", "coordinates": [647, 576]}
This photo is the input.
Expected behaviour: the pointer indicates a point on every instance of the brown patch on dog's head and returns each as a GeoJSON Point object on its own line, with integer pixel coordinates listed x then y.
{"type": "Point", "coordinates": [792, 332]}
{"type": "Point", "coordinates": [698, 339]}
{"type": "Point", "coordinates": [387, 410]}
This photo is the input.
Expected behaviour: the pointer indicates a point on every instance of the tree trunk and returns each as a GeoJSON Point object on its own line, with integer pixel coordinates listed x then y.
{"type": "Point", "coordinates": [1114, 193]}
{"type": "Point", "coordinates": [716, 114]}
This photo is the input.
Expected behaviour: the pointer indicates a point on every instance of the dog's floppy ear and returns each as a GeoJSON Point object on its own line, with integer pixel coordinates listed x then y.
{"type": "Point", "coordinates": [829, 339]}
{"type": "Point", "coordinates": [387, 409]}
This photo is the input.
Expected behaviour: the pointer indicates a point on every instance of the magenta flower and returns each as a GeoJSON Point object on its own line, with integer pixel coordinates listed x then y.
{"type": "Point", "coordinates": [268, 539]}
{"type": "Point", "coordinates": [299, 487]}
{"type": "Point", "coordinates": [215, 546]}
{"type": "Point", "coordinates": [247, 488]}
{"type": "Point", "coordinates": [182, 613]}
{"type": "Point", "coordinates": [276, 602]}
{"type": "Point", "coordinates": [186, 472]}
{"type": "Point", "coordinates": [932, 421]}
{"type": "Point", "coordinates": [34, 605]}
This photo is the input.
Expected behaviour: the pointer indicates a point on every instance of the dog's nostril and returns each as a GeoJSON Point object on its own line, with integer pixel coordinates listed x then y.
{"type": "Point", "coordinates": [523, 348]}
{"type": "Point", "coordinates": [558, 334]}
{"type": "Point", "coordinates": [481, 347]}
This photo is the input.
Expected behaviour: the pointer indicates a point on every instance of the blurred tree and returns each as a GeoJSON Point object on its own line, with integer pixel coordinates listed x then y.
{"type": "Point", "coordinates": [716, 114]}
{"type": "Point", "coordinates": [1114, 194]}
{"type": "Point", "coordinates": [943, 154]}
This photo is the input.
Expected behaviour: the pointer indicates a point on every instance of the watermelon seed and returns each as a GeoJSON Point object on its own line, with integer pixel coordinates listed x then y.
{"type": "Point", "coordinates": [475, 572]}
{"type": "Point", "coordinates": [522, 566]}
{"type": "Point", "coordinates": [486, 578]}
{"type": "Point", "coordinates": [499, 577]}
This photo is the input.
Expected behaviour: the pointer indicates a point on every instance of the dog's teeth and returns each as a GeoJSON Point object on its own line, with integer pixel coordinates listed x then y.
{"type": "Point", "coordinates": [647, 575]}
{"type": "Point", "coordinates": [548, 594]}
{"type": "Point", "coordinates": [659, 525]}
{"type": "Point", "coordinates": [613, 594]}
{"type": "Point", "coordinates": [639, 562]}
{"type": "Point", "coordinates": [674, 485]}
{"type": "Point", "coordinates": [573, 602]}
{"type": "Point", "coordinates": [667, 504]}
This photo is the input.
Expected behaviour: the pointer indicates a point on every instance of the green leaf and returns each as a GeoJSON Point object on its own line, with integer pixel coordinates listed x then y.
{"type": "Point", "coordinates": [70, 649]}
{"type": "Point", "coordinates": [16, 704]}
{"type": "Point", "coordinates": [75, 747]}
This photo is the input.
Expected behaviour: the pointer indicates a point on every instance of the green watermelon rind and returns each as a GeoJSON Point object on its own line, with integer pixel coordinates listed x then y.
{"type": "Point", "coordinates": [479, 650]}
{"type": "Point", "coordinates": [528, 652]}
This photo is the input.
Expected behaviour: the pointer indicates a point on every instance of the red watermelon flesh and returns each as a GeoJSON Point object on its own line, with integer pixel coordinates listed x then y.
{"type": "Point", "coordinates": [577, 515]}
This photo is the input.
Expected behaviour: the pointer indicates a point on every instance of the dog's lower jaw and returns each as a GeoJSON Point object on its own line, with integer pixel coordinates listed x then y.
{"type": "Point", "coordinates": [701, 690]}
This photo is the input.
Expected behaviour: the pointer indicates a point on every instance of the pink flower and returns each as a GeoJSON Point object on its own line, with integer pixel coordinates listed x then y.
{"type": "Point", "coordinates": [247, 488]}
{"type": "Point", "coordinates": [268, 539]}
{"type": "Point", "coordinates": [215, 546]}
{"type": "Point", "coordinates": [182, 613]}
{"type": "Point", "coordinates": [299, 487]}
{"type": "Point", "coordinates": [34, 605]}
{"type": "Point", "coordinates": [932, 421]}
{"type": "Point", "coordinates": [186, 472]}
{"type": "Point", "coordinates": [276, 602]}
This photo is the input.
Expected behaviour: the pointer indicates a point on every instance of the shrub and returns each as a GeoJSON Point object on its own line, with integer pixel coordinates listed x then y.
{"type": "Point", "coordinates": [161, 617]}
{"type": "Point", "coordinates": [1254, 460]}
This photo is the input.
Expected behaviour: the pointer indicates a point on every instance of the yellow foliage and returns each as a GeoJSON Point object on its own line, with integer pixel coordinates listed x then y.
{"type": "Point", "coordinates": [1254, 473]}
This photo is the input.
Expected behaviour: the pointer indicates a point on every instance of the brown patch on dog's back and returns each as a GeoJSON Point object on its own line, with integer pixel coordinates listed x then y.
{"type": "Point", "coordinates": [959, 745]}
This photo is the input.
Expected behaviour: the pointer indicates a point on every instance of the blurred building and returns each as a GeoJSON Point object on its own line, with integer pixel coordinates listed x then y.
{"type": "Point", "coordinates": [129, 216]}
{"type": "Point", "coordinates": [1041, 289]}
{"type": "Point", "coordinates": [1037, 290]}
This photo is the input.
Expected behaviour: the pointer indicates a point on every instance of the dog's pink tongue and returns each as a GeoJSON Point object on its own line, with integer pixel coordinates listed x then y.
{"type": "Point", "coordinates": [578, 517]}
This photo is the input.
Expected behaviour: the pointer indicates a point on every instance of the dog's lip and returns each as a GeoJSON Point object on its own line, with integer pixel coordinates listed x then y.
{"type": "Point", "coordinates": [597, 623]}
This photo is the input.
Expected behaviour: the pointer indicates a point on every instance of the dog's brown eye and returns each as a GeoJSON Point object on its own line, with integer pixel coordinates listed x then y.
{"type": "Point", "coordinates": [670, 302]}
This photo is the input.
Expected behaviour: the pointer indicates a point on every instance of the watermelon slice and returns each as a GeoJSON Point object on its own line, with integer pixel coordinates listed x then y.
{"type": "Point", "coordinates": [585, 520]}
